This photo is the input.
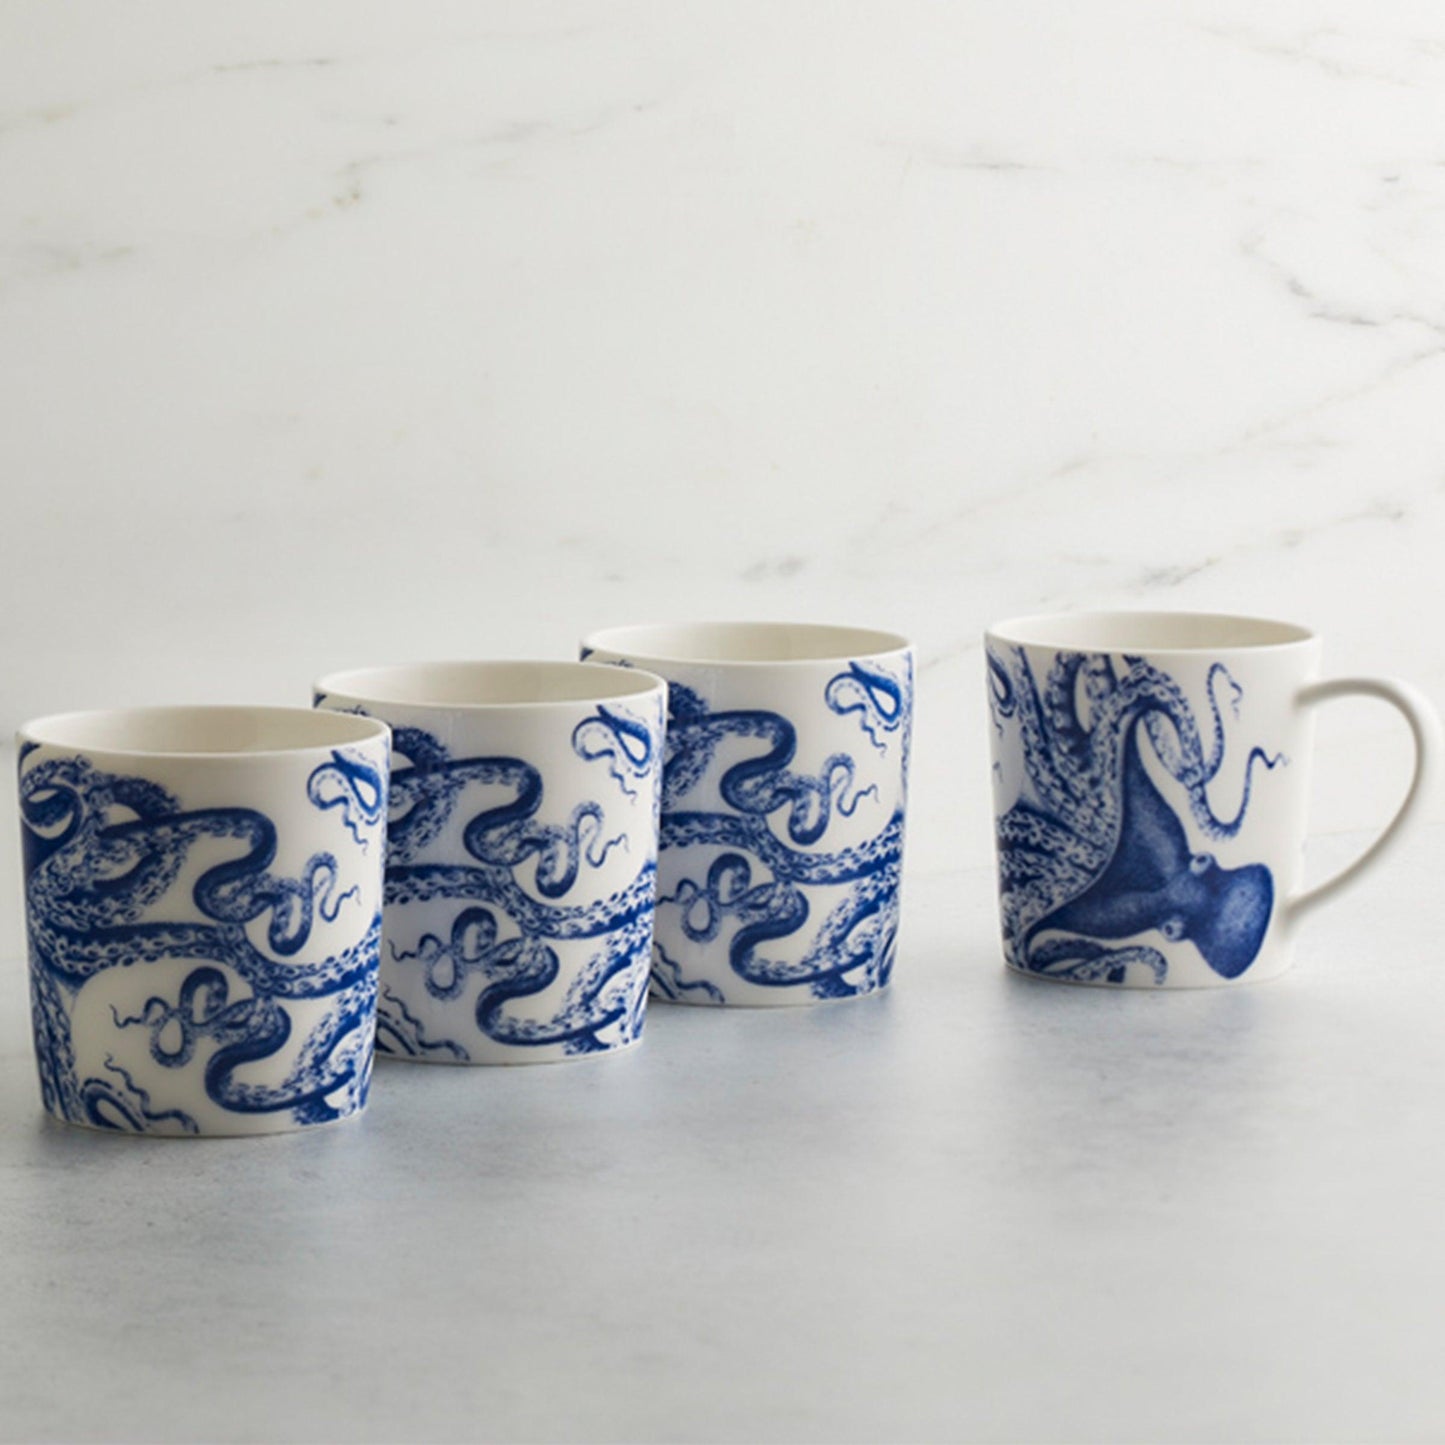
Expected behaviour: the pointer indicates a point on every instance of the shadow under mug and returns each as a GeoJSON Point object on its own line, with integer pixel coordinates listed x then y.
{"type": "Point", "coordinates": [203, 899]}
{"type": "Point", "coordinates": [782, 806]}
{"type": "Point", "coordinates": [521, 856]}
{"type": "Point", "coordinates": [1151, 780]}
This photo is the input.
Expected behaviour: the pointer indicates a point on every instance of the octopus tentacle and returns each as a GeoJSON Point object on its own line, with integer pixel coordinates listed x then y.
{"type": "Point", "coordinates": [507, 930]}
{"type": "Point", "coordinates": [766, 846]}
{"type": "Point", "coordinates": [1075, 733]}
{"type": "Point", "coordinates": [102, 851]}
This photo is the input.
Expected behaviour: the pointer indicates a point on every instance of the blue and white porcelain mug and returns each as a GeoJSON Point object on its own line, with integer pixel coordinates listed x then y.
{"type": "Point", "coordinates": [1151, 779]}
{"type": "Point", "coordinates": [521, 857]}
{"type": "Point", "coordinates": [203, 895]}
{"type": "Point", "coordinates": [782, 810]}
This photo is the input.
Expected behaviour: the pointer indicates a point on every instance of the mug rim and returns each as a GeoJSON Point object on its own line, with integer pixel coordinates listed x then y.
{"type": "Point", "coordinates": [628, 641]}
{"type": "Point", "coordinates": [1203, 632]}
{"type": "Point", "coordinates": [366, 686]}
{"type": "Point", "coordinates": [73, 731]}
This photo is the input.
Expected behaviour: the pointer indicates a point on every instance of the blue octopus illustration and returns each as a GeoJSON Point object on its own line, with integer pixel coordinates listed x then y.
{"type": "Point", "coordinates": [879, 700]}
{"type": "Point", "coordinates": [505, 933]}
{"type": "Point", "coordinates": [101, 854]}
{"type": "Point", "coordinates": [1092, 858]}
{"type": "Point", "coordinates": [763, 885]}
{"type": "Point", "coordinates": [351, 784]}
{"type": "Point", "coordinates": [625, 742]}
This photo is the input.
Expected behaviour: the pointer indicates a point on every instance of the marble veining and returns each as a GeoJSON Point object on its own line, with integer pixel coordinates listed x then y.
{"type": "Point", "coordinates": [925, 344]}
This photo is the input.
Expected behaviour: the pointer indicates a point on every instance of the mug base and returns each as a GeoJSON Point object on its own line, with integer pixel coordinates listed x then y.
{"type": "Point", "coordinates": [764, 1005]}
{"type": "Point", "coordinates": [517, 1059]}
{"type": "Point", "coordinates": [182, 1135]}
{"type": "Point", "coordinates": [1192, 985]}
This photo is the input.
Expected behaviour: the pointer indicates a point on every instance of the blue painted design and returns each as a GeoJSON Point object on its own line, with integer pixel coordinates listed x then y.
{"type": "Point", "coordinates": [668, 982]}
{"type": "Point", "coordinates": [766, 884]}
{"type": "Point", "coordinates": [875, 695]}
{"type": "Point", "coordinates": [122, 1105]}
{"type": "Point", "coordinates": [102, 852]}
{"type": "Point", "coordinates": [399, 1031]}
{"type": "Point", "coordinates": [504, 933]}
{"type": "Point", "coordinates": [624, 741]}
{"type": "Point", "coordinates": [353, 784]}
{"type": "Point", "coordinates": [330, 907]}
{"type": "Point", "coordinates": [1092, 854]}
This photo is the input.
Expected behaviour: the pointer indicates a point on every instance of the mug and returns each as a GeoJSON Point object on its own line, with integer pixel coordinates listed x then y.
{"type": "Point", "coordinates": [782, 806]}
{"type": "Point", "coordinates": [1151, 777]}
{"type": "Point", "coordinates": [203, 896]}
{"type": "Point", "coordinates": [521, 857]}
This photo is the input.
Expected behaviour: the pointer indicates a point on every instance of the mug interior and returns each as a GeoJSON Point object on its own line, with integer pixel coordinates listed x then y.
{"type": "Point", "coordinates": [1151, 632]}
{"type": "Point", "coordinates": [486, 684]}
{"type": "Point", "coordinates": [201, 731]}
{"type": "Point", "coordinates": [740, 642]}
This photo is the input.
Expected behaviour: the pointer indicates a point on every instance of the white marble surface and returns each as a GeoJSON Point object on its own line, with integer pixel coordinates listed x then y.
{"type": "Point", "coordinates": [332, 334]}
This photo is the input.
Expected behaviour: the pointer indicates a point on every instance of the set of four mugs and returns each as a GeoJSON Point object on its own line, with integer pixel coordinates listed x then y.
{"type": "Point", "coordinates": [230, 909]}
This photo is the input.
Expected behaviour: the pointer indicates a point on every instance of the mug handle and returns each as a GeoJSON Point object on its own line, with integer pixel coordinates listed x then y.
{"type": "Point", "coordinates": [1425, 725]}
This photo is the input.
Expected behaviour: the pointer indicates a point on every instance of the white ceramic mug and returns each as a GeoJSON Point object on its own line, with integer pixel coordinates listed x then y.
{"type": "Point", "coordinates": [1151, 778]}
{"type": "Point", "coordinates": [203, 894]}
{"type": "Point", "coordinates": [521, 861]}
{"type": "Point", "coordinates": [783, 803]}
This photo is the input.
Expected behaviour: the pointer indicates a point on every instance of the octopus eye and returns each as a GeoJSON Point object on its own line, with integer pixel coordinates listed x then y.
{"type": "Point", "coordinates": [1172, 929]}
{"type": "Point", "coordinates": [1201, 863]}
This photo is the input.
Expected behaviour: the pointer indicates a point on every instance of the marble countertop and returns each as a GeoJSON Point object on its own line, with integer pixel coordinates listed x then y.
{"type": "Point", "coordinates": [338, 334]}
